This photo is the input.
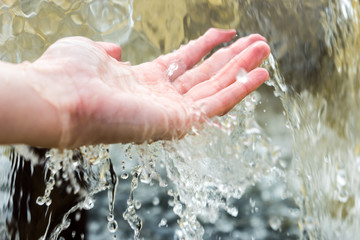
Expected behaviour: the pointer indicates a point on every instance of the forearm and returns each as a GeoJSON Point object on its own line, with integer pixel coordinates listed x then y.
{"type": "Point", "coordinates": [25, 117]}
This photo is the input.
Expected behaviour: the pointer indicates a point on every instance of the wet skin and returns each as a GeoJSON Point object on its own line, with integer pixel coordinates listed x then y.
{"type": "Point", "coordinates": [86, 95]}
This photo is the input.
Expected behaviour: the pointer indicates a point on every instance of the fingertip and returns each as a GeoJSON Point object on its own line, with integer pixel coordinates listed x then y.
{"type": "Point", "coordinates": [256, 37]}
{"type": "Point", "coordinates": [260, 72]}
{"type": "Point", "coordinates": [112, 49]}
{"type": "Point", "coordinates": [258, 76]}
{"type": "Point", "coordinates": [226, 34]}
{"type": "Point", "coordinates": [261, 49]}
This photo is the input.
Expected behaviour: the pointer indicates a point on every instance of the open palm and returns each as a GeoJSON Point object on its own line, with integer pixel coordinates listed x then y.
{"type": "Point", "coordinates": [100, 99]}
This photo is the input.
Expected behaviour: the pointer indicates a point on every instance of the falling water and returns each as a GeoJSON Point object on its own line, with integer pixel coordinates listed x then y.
{"type": "Point", "coordinates": [296, 140]}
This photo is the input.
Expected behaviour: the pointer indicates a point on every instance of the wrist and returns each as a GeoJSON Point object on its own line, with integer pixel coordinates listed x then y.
{"type": "Point", "coordinates": [26, 117]}
{"type": "Point", "coordinates": [56, 87]}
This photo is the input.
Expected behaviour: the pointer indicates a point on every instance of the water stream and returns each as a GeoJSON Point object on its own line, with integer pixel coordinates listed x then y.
{"type": "Point", "coordinates": [283, 164]}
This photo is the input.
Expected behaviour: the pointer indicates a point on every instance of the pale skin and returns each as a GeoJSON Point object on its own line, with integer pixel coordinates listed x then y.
{"type": "Point", "coordinates": [80, 93]}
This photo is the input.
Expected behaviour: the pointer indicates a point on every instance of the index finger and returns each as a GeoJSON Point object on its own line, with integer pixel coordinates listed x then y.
{"type": "Point", "coordinates": [195, 50]}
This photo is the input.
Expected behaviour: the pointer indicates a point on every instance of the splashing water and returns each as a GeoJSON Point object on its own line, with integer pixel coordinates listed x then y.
{"type": "Point", "coordinates": [206, 176]}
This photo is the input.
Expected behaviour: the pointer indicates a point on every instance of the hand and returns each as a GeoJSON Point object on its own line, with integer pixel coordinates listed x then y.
{"type": "Point", "coordinates": [99, 99]}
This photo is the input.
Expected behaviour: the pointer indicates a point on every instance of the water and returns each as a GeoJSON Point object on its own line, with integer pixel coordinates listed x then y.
{"type": "Point", "coordinates": [282, 165]}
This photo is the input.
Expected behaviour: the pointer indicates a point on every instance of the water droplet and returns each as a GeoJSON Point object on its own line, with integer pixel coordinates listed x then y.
{"type": "Point", "coordinates": [68, 189]}
{"type": "Point", "coordinates": [156, 201]}
{"type": "Point", "coordinates": [163, 223]}
{"type": "Point", "coordinates": [171, 70]}
{"type": "Point", "coordinates": [137, 204]}
{"type": "Point", "coordinates": [275, 223]}
{"type": "Point", "coordinates": [178, 209]}
{"type": "Point", "coordinates": [112, 226]}
{"type": "Point", "coordinates": [124, 176]}
{"type": "Point", "coordinates": [343, 195]}
{"type": "Point", "coordinates": [134, 183]}
{"type": "Point", "coordinates": [66, 224]}
{"type": "Point", "coordinates": [48, 202]}
{"type": "Point", "coordinates": [309, 223]}
{"type": "Point", "coordinates": [47, 192]}
{"type": "Point", "coordinates": [77, 216]}
{"type": "Point", "coordinates": [59, 183]}
{"type": "Point", "coordinates": [40, 201]}
{"type": "Point", "coordinates": [341, 177]}
{"type": "Point", "coordinates": [252, 202]}
{"type": "Point", "coordinates": [253, 98]}
{"type": "Point", "coordinates": [242, 76]}
{"type": "Point", "coordinates": [51, 182]}
{"type": "Point", "coordinates": [88, 203]}
{"type": "Point", "coordinates": [163, 183]}
{"type": "Point", "coordinates": [233, 211]}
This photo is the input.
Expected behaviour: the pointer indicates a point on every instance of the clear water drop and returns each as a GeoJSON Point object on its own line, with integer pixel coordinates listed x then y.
{"type": "Point", "coordinates": [242, 76]}
{"type": "Point", "coordinates": [40, 201]}
{"type": "Point", "coordinates": [88, 203]}
{"type": "Point", "coordinates": [343, 195]}
{"type": "Point", "coordinates": [178, 209]}
{"type": "Point", "coordinates": [155, 201]}
{"type": "Point", "coordinates": [137, 204]}
{"type": "Point", "coordinates": [275, 223]}
{"type": "Point", "coordinates": [163, 223]}
{"type": "Point", "coordinates": [124, 176]}
{"type": "Point", "coordinates": [341, 177]}
{"type": "Point", "coordinates": [112, 226]}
